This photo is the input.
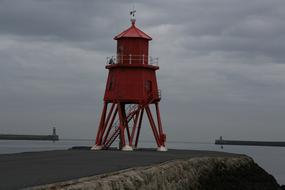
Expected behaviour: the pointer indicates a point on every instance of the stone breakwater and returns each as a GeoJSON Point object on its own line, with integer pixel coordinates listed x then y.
{"type": "Point", "coordinates": [205, 173]}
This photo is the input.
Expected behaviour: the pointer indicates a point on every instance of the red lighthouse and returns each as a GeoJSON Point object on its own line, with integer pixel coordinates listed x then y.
{"type": "Point", "coordinates": [130, 91]}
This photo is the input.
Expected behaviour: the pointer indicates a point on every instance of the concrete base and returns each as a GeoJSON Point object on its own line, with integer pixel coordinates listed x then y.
{"type": "Point", "coordinates": [97, 147]}
{"type": "Point", "coordinates": [162, 149]}
{"type": "Point", "coordinates": [127, 148]}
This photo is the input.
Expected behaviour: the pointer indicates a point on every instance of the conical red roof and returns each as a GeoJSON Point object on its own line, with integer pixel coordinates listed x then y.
{"type": "Point", "coordinates": [133, 32]}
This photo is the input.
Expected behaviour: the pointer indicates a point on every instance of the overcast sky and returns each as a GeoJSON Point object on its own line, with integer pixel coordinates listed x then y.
{"type": "Point", "coordinates": [222, 65]}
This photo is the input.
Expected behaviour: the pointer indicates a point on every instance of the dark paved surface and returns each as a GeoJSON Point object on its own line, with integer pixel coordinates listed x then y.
{"type": "Point", "coordinates": [37, 168]}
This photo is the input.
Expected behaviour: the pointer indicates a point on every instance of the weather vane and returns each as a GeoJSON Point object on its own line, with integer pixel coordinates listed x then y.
{"type": "Point", "coordinates": [132, 13]}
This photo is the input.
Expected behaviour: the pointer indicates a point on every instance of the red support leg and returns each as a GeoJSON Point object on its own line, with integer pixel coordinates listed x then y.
{"type": "Point", "coordinates": [101, 125]}
{"type": "Point", "coordinates": [161, 134]}
{"type": "Point", "coordinates": [106, 122]}
{"type": "Point", "coordinates": [134, 127]}
{"type": "Point", "coordinates": [110, 125]}
{"type": "Point", "coordinates": [139, 127]}
{"type": "Point", "coordinates": [152, 125]}
{"type": "Point", "coordinates": [122, 127]}
{"type": "Point", "coordinates": [126, 125]}
{"type": "Point", "coordinates": [109, 131]}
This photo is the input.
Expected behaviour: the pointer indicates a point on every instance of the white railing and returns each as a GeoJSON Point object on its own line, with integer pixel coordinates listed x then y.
{"type": "Point", "coordinates": [132, 59]}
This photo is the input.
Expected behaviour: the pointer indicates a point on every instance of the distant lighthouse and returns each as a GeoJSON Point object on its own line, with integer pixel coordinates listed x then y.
{"type": "Point", "coordinates": [130, 91]}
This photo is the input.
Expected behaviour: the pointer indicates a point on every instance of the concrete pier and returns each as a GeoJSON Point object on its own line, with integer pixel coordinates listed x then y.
{"type": "Point", "coordinates": [52, 137]}
{"type": "Point", "coordinates": [39, 168]}
{"type": "Point", "coordinates": [250, 143]}
{"type": "Point", "coordinates": [29, 137]}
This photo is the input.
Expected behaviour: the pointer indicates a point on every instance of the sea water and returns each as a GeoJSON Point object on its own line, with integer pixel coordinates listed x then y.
{"type": "Point", "coordinates": [269, 158]}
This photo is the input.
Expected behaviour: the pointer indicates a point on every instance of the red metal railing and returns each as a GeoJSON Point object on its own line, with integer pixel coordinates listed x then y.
{"type": "Point", "coordinates": [132, 59]}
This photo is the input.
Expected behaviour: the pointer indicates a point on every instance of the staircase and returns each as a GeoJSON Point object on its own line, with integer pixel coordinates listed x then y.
{"type": "Point", "coordinates": [131, 110]}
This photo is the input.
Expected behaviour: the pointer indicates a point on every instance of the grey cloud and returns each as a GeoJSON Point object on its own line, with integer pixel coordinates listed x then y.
{"type": "Point", "coordinates": [85, 24]}
{"type": "Point", "coordinates": [253, 27]}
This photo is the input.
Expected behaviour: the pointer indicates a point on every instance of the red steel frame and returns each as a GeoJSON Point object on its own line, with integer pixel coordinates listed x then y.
{"type": "Point", "coordinates": [109, 129]}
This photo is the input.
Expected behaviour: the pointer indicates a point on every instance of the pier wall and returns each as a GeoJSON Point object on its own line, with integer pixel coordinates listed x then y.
{"type": "Point", "coordinates": [29, 137]}
{"type": "Point", "coordinates": [205, 173]}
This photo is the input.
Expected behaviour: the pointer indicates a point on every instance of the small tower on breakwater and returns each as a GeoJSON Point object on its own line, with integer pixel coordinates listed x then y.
{"type": "Point", "coordinates": [130, 91]}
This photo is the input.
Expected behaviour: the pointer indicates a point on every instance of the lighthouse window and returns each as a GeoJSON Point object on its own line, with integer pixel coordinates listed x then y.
{"type": "Point", "coordinates": [148, 86]}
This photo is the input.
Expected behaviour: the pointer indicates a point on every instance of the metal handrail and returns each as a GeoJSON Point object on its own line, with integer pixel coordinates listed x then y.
{"type": "Point", "coordinates": [142, 59]}
{"type": "Point", "coordinates": [159, 93]}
